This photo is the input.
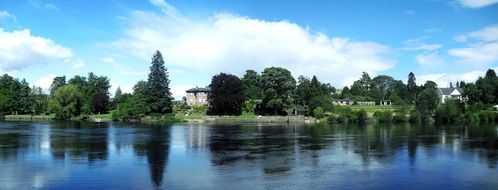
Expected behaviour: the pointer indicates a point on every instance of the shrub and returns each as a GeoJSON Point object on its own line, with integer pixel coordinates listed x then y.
{"type": "Point", "coordinates": [362, 116]}
{"type": "Point", "coordinates": [318, 113]}
{"type": "Point", "coordinates": [415, 116]}
{"type": "Point", "coordinates": [383, 116]}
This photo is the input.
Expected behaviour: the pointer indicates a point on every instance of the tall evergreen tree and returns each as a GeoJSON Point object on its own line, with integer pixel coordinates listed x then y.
{"type": "Point", "coordinates": [412, 88]}
{"type": "Point", "coordinates": [159, 95]}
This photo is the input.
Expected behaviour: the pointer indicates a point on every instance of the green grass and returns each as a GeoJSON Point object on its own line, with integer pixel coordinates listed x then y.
{"type": "Point", "coordinates": [105, 116]}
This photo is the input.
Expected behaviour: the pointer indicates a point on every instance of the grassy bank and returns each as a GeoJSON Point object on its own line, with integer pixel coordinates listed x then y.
{"type": "Point", "coordinates": [28, 117]}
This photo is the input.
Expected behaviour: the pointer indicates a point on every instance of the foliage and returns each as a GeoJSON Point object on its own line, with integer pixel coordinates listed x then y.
{"type": "Point", "coordinates": [362, 116]}
{"type": "Point", "coordinates": [227, 95]}
{"type": "Point", "coordinates": [158, 92]}
{"type": "Point", "coordinates": [383, 116]}
{"type": "Point", "coordinates": [249, 106]}
{"type": "Point", "coordinates": [100, 102]}
{"type": "Point", "coordinates": [427, 101]}
{"type": "Point", "coordinates": [278, 89]}
{"type": "Point", "coordinates": [449, 112]}
{"type": "Point", "coordinates": [318, 113]}
{"type": "Point", "coordinates": [412, 88]}
{"type": "Point", "coordinates": [251, 83]}
{"type": "Point", "coordinates": [415, 116]}
{"type": "Point", "coordinates": [66, 102]}
{"type": "Point", "coordinates": [57, 82]}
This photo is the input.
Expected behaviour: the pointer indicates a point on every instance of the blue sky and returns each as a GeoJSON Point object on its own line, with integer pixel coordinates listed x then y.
{"type": "Point", "coordinates": [336, 40]}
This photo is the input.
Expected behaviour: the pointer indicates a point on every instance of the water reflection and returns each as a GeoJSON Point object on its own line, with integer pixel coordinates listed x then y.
{"type": "Point", "coordinates": [153, 143]}
{"type": "Point", "coordinates": [76, 155]}
{"type": "Point", "coordinates": [79, 141]}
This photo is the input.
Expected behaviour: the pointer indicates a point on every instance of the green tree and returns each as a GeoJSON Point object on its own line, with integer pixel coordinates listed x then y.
{"type": "Point", "coordinates": [472, 92]}
{"type": "Point", "coordinates": [100, 102]}
{"type": "Point", "coordinates": [159, 95]}
{"type": "Point", "coordinates": [427, 100]}
{"type": "Point", "coordinates": [251, 83]}
{"type": "Point", "coordinates": [118, 94]}
{"type": "Point", "coordinates": [40, 101]}
{"type": "Point", "coordinates": [57, 82]}
{"type": "Point", "coordinates": [66, 102]}
{"type": "Point", "coordinates": [411, 88]}
{"type": "Point", "coordinates": [226, 96]}
{"type": "Point", "coordinates": [278, 88]}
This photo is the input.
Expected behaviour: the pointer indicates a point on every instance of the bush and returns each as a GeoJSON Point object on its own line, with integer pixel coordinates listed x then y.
{"type": "Point", "coordinates": [383, 116]}
{"type": "Point", "coordinates": [332, 118]}
{"type": "Point", "coordinates": [249, 106]}
{"type": "Point", "coordinates": [362, 116]}
{"type": "Point", "coordinates": [415, 116]}
{"type": "Point", "coordinates": [449, 112]}
{"type": "Point", "coordinates": [200, 109]}
{"type": "Point", "coordinates": [318, 113]}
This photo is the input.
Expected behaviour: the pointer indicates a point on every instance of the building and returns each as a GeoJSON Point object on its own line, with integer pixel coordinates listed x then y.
{"type": "Point", "coordinates": [385, 102]}
{"type": "Point", "coordinates": [365, 103]}
{"type": "Point", "coordinates": [343, 102]}
{"type": "Point", "coordinates": [450, 93]}
{"type": "Point", "coordinates": [197, 96]}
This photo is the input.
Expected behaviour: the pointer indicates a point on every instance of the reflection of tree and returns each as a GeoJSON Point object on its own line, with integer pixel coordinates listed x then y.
{"type": "Point", "coordinates": [154, 144]}
{"type": "Point", "coordinates": [11, 143]}
{"type": "Point", "coordinates": [79, 141]}
{"type": "Point", "coordinates": [483, 141]}
{"type": "Point", "coordinates": [226, 144]}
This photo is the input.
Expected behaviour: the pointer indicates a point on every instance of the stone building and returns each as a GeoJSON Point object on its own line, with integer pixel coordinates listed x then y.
{"type": "Point", "coordinates": [197, 96]}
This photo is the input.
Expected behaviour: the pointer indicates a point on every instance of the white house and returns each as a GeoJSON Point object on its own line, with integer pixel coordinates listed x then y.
{"type": "Point", "coordinates": [450, 93]}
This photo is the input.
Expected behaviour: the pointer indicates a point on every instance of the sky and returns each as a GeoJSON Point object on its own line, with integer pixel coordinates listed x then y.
{"type": "Point", "coordinates": [437, 40]}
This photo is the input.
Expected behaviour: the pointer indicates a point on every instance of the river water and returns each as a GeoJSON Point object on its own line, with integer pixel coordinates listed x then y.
{"type": "Point", "coordinates": [71, 155]}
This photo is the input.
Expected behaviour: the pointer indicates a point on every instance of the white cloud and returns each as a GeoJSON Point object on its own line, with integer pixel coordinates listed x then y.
{"type": "Point", "coordinates": [178, 91]}
{"type": "Point", "coordinates": [52, 7]}
{"type": "Point", "coordinates": [232, 43]}
{"type": "Point", "coordinates": [477, 3]}
{"type": "Point", "coordinates": [122, 69]}
{"type": "Point", "coordinates": [5, 15]}
{"type": "Point", "coordinates": [418, 44]}
{"type": "Point", "coordinates": [429, 59]}
{"type": "Point", "coordinates": [45, 82]}
{"type": "Point", "coordinates": [444, 79]}
{"type": "Point", "coordinates": [77, 63]}
{"type": "Point", "coordinates": [483, 51]}
{"type": "Point", "coordinates": [20, 49]}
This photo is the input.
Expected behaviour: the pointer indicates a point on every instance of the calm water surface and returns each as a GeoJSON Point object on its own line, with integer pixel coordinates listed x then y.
{"type": "Point", "coordinates": [51, 155]}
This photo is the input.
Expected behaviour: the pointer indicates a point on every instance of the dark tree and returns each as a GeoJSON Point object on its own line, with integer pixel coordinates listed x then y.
{"type": "Point", "coordinates": [412, 88]}
{"type": "Point", "coordinates": [56, 83]}
{"type": "Point", "coordinates": [227, 95]}
{"type": "Point", "coordinates": [472, 92]}
{"type": "Point", "coordinates": [159, 95]}
{"type": "Point", "coordinates": [251, 83]}
{"type": "Point", "coordinates": [100, 101]}
{"type": "Point", "coordinates": [345, 93]}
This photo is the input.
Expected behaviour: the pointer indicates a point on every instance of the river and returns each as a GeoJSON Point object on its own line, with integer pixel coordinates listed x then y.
{"type": "Point", "coordinates": [72, 155]}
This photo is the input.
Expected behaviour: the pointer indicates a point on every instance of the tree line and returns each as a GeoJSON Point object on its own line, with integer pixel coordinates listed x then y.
{"type": "Point", "coordinates": [274, 91]}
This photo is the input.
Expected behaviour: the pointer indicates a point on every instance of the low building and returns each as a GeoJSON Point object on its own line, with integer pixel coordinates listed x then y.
{"type": "Point", "coordinates": [450, 93]}
{"type": "Point", "coordinates": [365, 103]}
{"type": "Point", "coordinates": [197, 96]}
{"type": "Point", "coordinates": [343, 102]}
{"type": "Point", "coordinates": [385, 102]}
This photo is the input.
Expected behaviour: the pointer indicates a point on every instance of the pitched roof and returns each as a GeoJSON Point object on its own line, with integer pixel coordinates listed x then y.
{"type": "Point", "coordinates": [448, 91]}
{"type": "Point", "coordinates": [197, 89]}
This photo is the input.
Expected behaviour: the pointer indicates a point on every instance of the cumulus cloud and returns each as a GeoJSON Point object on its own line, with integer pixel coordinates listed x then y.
{"type": "Point", "coordinates": [45, 82]}
{"type": "Point", "coordinates": [20, 49]}
{"type": "Point", "coordinates": [429, 59]}
{"type": "Point", "coordinates": [233, 43]}
{"type": "Point", "coordinates": [123, 69]}
{"type": "Point", "coordinates": [477, 3]}
{"type": "Point", "coordinates": [76, 63]}
{"type": "Point", "coordinates": [444, 79]}
{"type": "Point", "coordinates": [483, 51]}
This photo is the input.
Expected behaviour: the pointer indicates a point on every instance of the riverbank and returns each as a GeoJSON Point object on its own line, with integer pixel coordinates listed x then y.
{"type": "Point", "coordinates": [193, 118]}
